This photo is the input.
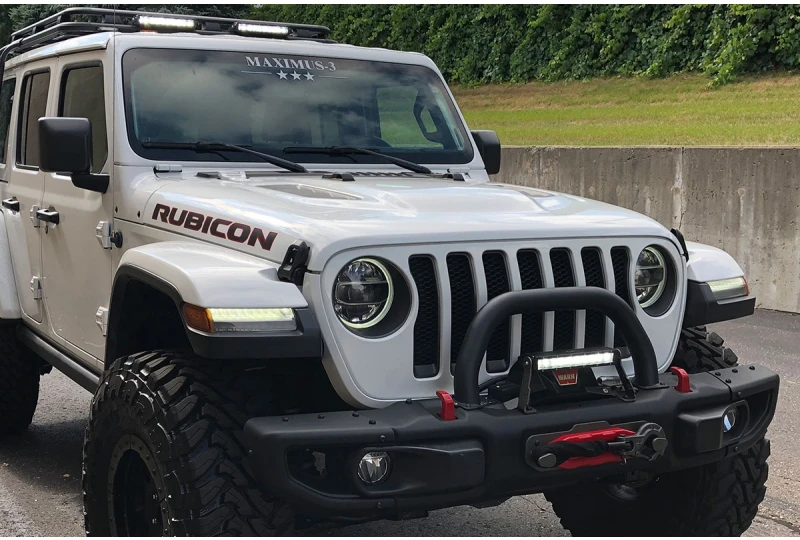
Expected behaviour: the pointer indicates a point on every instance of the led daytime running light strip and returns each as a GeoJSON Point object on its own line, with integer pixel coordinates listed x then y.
{"type": "Point", "coordinates": [723, 289]}
{"type": "Point", "coordinates": [251, 315]}
{"type": "Point", "coordinates": [227, 320]}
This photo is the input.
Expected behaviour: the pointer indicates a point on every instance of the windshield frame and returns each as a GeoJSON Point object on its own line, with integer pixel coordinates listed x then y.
{"type": "Point", "coordinates": [441, 157]}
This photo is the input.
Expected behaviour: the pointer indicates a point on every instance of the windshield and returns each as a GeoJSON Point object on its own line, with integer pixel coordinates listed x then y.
{"type": "Point", "coordinates": [270, 102]}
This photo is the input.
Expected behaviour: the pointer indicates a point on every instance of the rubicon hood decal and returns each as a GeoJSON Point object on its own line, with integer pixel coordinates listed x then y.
{"type": "Point", "coordinates": [260, 216]}
{"type": "Point", "coordinates": [219, 227]}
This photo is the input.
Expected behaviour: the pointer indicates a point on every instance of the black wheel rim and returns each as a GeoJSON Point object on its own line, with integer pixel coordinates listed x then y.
{"type": "Point", "coordinates": [136, 505]}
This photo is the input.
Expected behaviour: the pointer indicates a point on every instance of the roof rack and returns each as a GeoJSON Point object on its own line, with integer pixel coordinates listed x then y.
{"type": "Point", "coordinates": [80, 21]}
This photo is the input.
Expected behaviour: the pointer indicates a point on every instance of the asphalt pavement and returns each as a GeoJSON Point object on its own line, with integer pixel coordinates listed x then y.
{"type": "Point", "coordinates": [40, 493]}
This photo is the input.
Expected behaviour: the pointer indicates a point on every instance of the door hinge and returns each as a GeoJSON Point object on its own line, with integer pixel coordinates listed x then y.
{"type": "Point", "coordinates": [36, 288]}
{"type": "Point", "coordinates": [34, 216]}
{"type": "Point", "coordinates": [106, 235]}
{"type": "Point", "coordinates": [101, 318]}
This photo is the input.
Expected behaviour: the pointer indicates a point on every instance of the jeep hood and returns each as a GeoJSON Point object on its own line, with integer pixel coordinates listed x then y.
{"type": "Point", "coordinates": [332, 215]}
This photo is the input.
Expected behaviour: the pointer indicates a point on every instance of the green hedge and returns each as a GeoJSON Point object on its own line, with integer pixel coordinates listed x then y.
{"type": "Point", "coordinates": [516, 43]}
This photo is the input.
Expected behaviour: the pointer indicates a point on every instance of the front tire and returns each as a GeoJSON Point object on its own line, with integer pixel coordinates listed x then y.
{"type": "Point", "coordinates": [718, 499]}
{"type": "Point", "coordinates": [19, 382]}
{"type": "Point", "coordinates": [163, 453]}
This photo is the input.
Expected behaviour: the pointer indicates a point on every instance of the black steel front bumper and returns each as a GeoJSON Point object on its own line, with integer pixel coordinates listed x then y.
{"type": "Point", "coordinates": [482, 456]}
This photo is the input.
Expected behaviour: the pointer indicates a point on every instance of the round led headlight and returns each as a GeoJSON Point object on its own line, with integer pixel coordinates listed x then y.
{"type": "Point", "coordinates": [363, 293]}
{"type": "Point", "coordinates": [650, 279]}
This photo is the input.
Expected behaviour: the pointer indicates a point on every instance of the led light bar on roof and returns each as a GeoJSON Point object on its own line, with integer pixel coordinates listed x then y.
{"type": "Point", "coordinates": [165, 24]}
{"type": "Point", "coordinates": [263, 30]}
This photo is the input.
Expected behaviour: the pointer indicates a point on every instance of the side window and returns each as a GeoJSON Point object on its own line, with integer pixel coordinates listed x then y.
{"type": "Point", "coordinates": [6, 102]}
{"type": "Point", "coordinates": [399, 126]}
{"type": "Point", "coordinates": [82, 97]}
{"type": "Point", "coordinates": [34, 105]}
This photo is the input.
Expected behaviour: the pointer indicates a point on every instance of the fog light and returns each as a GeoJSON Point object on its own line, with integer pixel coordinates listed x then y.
{"type": "Point", "coordinates": [373, 467]}
{"type": "Point", "coordinates": [729, 420]}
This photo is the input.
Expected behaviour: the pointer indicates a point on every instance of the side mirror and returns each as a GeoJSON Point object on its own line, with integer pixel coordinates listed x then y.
{"type": "Point", "coordinates": [489, 148]}
{"type": "Point", "coordinates": [65, 146]}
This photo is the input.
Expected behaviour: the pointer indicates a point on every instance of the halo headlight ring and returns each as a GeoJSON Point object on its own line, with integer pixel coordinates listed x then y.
{"type": "Point", "coordinates": [383, 305]}
{"type": "Point", "coordinates": [650, 265]}
{"type": "Point", "coordinates": [371, 297]}
{"type": "Point", "coordinates": [656, 275]}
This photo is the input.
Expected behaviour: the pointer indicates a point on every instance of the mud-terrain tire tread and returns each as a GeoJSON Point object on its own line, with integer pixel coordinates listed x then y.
{"type": "Point", "coordinates": [718, 499]}
{"type": "Point", "coordinates": [194, 411]}
{"type": "Point", "coordinates": [699, 351]}
{"type": "Point", "coordinates": [19, 382]}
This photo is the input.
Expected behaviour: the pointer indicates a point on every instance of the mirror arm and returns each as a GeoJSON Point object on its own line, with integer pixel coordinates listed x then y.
{"type": "Point", "coordinates": [92, 182]}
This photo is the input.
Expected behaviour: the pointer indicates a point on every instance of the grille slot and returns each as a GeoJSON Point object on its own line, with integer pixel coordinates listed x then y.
{"type": "Point", "coordinates": [462, 303]}
{"type": "Point", "coordinates": [426, 327]}
{"type": "Point", "coordinates": [564, 323]}
{"type": "Point", "coordinates": [497, 283]}
{"type": "Point", "coordinates": [530, 273]}
{"type": "Point", "coordinates": [593, 273]}
{"type": "Point", "coordinates": [621, 265]}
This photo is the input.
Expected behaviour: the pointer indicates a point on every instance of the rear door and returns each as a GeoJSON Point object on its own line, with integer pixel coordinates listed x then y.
{"type": "Point", "coordinates": [23, 194]}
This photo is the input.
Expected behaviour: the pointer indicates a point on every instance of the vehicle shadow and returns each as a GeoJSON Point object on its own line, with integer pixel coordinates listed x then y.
{"type": "Point", "coordinates": [46, 456]}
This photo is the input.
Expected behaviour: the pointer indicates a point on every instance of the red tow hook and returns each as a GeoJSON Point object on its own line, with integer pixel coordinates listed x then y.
{"type": "Point", "coordinates": [683, 385]}
{"type": "Point", "coordinates": [448, 411]}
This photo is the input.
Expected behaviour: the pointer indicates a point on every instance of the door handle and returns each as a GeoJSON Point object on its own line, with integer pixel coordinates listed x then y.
{"type": "Point", "coordinates": [12, 204]}
{"type": "Point", "coordinates": [48, 215]}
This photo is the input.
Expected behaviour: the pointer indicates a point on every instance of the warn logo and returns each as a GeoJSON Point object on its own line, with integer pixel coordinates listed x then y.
{"type": "Point", "coordinates": [566, 377]}
{"type": "Point", "coordinates": [221, 228]}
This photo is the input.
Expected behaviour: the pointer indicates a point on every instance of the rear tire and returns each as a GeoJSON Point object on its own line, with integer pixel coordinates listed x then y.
{"type": "Point", "coordinates": [718, 499]}
{"type": "Point", "coordinates": [163, 453]}
{"type": "Point", "coordinates": [19, 382]}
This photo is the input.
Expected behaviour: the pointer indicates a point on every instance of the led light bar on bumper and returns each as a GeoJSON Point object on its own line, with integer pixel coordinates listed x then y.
{"type": "Point", "coordinates": [592, 359]}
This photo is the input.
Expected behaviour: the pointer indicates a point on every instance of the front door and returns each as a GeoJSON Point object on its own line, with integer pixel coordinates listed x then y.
{"type": "Point", "coordinates": [77, 270]}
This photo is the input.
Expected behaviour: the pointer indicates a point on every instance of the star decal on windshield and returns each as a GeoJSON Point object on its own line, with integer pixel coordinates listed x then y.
{"type": "Point", "coordinates": [295, 76]}
{"type": "Point", "coordinates": [282, 74]}
{"type": "Point", "coordinates": [309, 77]}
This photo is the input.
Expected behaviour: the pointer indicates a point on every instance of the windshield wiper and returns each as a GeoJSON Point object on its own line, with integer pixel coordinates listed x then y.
{"type": "Point", "coordinates": [212, 147]}
{"type": "Point", "coordinates": [350, 150]}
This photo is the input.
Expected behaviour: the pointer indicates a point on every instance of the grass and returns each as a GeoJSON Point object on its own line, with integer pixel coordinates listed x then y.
{"type": "Point", "coordinates": [681, 110]}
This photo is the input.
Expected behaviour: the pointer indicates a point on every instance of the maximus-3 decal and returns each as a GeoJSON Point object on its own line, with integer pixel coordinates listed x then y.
{"type": "Point", "coordinates": [219, 227]}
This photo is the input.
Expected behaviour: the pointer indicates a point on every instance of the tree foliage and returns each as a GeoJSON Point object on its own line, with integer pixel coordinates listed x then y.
{"type": "Point", "coordinates": [474, 44]}
{"type": "Point", "coordinates": [498, 43]}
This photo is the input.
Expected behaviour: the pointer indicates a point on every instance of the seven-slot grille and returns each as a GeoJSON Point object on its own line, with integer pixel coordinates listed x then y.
{"type": "Point", "coordinates": [538, 332]}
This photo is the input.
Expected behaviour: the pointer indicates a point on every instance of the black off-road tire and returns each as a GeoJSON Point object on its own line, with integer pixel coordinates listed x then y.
{"type": "Point", "coordinates": [719, 499]}
{"type": "Point", "coordinates": [168, 426]}
{"type": "Point", "coordinates": [19, 382]}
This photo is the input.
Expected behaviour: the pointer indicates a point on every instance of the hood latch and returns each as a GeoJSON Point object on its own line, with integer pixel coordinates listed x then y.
{"type": "Point", "coordinates": [294, 265]}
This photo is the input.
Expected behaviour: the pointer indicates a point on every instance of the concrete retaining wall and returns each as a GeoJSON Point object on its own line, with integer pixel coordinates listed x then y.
{"type": "Point", "coordinates": [743, 200]}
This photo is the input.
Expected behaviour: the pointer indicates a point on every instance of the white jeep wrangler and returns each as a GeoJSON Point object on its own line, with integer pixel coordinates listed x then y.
{"type": "Point", "coordinates": [279, 264]}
